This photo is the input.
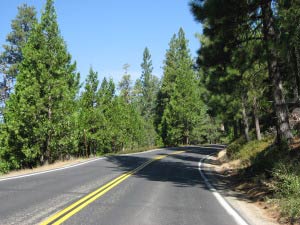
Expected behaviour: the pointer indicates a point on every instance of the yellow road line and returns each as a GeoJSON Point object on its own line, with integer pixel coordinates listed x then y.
{"type": "Point", "coordinates": [57, 215]}
{"type": "Point", "coordinates": [158, 157]}
{"type": "Point", "coordinates": [83, 202]}
{"type": "Point", "coordinates": [95, 197]}
{"type": "Point", "coordinates": [177, 152]}
{"type": "Point", "coordinates": [79, 201]}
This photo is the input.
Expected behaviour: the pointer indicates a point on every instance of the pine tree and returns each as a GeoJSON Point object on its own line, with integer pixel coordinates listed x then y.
{"type": "Point", "coordinates": [11, 57]}
{"type": "Point", "coordinates": [233, 24]}
{"type": "Point", "coordinates": [149, 85]}
{"type": "Point", "coordinates": [125, 87]}
{"type": "Point", "coordinates": [39, 125]}
{"type": "Point", "coordinates": [169, 76]}
{"type": "Point", "coordinates": [21, 27]}
{"type": "Point", "coordinates": [106, 92]}
{"type": "Point", "coordinates": [90, 115]}
{"type": "Point", "coordinates": [89, 96]}
{"type": "Point", "coordinates": [144, 97]}
{"type": "Point", "coordinates": [183, 109]}
{"type": "Point", "coordinates": [106, 105]}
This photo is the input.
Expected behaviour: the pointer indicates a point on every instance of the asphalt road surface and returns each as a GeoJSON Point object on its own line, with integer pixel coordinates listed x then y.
{"type": "Point", "coordinates": [157, 187]}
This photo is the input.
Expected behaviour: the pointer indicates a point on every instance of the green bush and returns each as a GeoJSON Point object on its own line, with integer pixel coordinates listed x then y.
{"type": "Point", "coordinates": [266, 160]}
{"type": "Point", "coordinates": [247, 151]}
{"type": "Point", "coordinates": [287, 188]}
{"type": "Point", "coordinates": [4, 167]}
{"type": "Point", "coordinates": [235, 147]}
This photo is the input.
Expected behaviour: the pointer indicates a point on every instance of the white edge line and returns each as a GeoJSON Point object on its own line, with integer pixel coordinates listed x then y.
{"type": "Point", "coordinates": [68, 167]}
{"type": "Point", "coordinates": [51, 170]}
{"type": "Point", "coordinates": [219, 197]}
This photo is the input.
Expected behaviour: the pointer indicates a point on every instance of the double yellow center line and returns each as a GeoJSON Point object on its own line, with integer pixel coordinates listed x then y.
{"type": "Point", "coordinates": [66, 213]}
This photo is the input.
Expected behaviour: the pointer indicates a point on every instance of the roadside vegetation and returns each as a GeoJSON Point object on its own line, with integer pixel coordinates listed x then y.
{"type": "Point", "coordinates": [47, 114]}
{"type": "Point", "coordinates": [272, 168]}
{"type": "Point", "coordinates": [242, 89]}
{"type": "Point", "coordinates": [249, 63]}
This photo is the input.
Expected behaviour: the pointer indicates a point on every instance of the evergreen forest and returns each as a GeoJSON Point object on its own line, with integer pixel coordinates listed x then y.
{"type": "Point", "coordinates": [242, 90]}
{"type": "Point", "coordinates": [47, 114]}
{"type": "Point", "coordinates": [249, 66]}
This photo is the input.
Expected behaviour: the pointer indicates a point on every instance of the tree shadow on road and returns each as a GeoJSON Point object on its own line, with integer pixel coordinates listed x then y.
{"type": "Point", "coordinates": [181, 170]}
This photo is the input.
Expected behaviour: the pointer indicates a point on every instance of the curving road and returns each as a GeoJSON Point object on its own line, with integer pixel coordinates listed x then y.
{"type": "Point", "coordinates": [157, 187]}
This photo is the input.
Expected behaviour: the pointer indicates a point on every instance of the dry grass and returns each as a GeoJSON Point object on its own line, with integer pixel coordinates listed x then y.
{"type": "Point", "coordinates": [72, 161]}
{"type": "Point", "coordinates": [273, 195]}
{"type": "Point", "coordinates": [256, 194]}
{"type": "Point", "coordinates": [55, 165]}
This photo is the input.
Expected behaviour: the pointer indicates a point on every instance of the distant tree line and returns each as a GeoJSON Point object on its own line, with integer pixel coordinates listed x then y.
{"type": "Point", "coordinates": [250, 64]}
{"type": "Point", "coordinates": [47, 114]}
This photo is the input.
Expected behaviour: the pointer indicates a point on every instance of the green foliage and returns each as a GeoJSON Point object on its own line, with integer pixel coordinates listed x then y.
{"type": "Point", "coordinates": [249, 65]}
{"type": "Point", "coordinates": [46, 118]}
{"type": "Point", "coordinates": [287, 186]}
{"type": "Point", "coordinates": [90, 116]}
{"type": "Point", "coordinates": [246, 51]}
{"type": "Point", "coordinates": [181, 114]}
{"type": "Point", "coordinates": [149, 86]}
{"type": "Point", "coordinates": [21, 27]}
{"type": "Point", "coordinates": [39, 113]}
{"type": "Point", "coordinates": [248, 152]}
{"type": "Point", "coordinates": [265, 159]}
{"type": "Point", "coordinates": [11, 57]}
{"type": "Point", "coordinates": [144, 99]}
{"type": "Point", "coordinates": [125, 87]}
{"type": "Point", "coordinates": [126, 128]}
{"type": "Point", "coordinates": [234, 148]}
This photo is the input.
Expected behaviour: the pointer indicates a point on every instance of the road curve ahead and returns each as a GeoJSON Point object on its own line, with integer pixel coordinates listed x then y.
{"type": "Point", "coordinates": [157, 187]}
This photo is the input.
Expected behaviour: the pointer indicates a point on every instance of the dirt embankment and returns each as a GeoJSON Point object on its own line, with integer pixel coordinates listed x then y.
{"type": "Point", "coordinates": [248, 196]}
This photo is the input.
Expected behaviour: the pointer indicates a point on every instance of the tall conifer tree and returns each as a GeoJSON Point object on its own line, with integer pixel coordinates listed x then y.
{"type": "Point", "coordinates": [39, 125]}
{"type": "Point", "coordinates": [12, 56]}
{"type": "Point", "coordinates": [183, 109]}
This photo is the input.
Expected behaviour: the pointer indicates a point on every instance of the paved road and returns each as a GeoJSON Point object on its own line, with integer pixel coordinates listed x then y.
{"type": "Point", "coordinates": [168, 190]}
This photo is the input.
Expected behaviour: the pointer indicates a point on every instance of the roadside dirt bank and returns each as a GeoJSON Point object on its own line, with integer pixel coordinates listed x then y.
{"type": "Point", "coordinates": [248, 198]}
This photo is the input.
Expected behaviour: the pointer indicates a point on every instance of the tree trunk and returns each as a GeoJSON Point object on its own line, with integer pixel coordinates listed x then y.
{"type": "Point", "coordinates": [297, 57]}
{"type": "Point", "coordinates": [186, 137]}
{"type": "Point", "coordinates": [47, 158]}
{"type": "Point", "coordinates": [236, 129]}
{"type": "Point", "coordinates": [270, 40]}
{"type": "Point", "coordinates": [187, 140]}
{"type": "Point", "coordinates": [295, 91]}
{"type": "Point", "coordinates": [256, 120]}
{"type": "Point", "coordinates": [245, 121]}
{"type": "Point", "coordinates": [297, 68]}
{"type": "Point", "coordinates": [85, 144]}
{"type": "Point", "coordinates": [241, 128]}
{"type": "Point", "coordinates": [292, 60]}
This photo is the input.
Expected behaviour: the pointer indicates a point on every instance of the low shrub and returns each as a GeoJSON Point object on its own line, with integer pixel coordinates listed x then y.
{"type": "Point", "coordinates": [287, 188]}
{"type": "Point", "coordinates": [247, 151]}
{"type": "Point", "coordinates": [234, 147]}
{"type": "Point", "coordinates": [263, 160]}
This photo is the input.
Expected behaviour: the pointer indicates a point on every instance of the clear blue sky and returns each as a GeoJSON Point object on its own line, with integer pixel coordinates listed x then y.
{"type": "Point", "coordinates": [106, 34]}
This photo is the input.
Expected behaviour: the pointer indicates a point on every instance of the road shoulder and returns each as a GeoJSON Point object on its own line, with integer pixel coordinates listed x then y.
{"type": "Point", "coordinates": [60, 165]}
{"type": "Point", "coordinates": [251, 210]}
